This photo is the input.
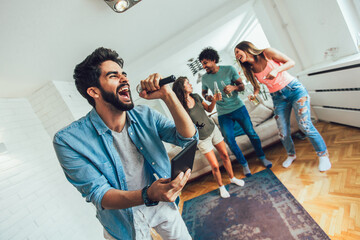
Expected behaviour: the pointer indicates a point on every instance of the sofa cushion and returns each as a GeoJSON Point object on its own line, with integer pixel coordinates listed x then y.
{"type": "Point", "coordinates": [214, 117]}
{"type": "Point", "coordinates": [267, 129]}
{"type": "Point", "coordinates": [249, 105]}
{"type": "Point", "coordinates": [174, 151]}
{"type": "Point", "coordinates": [268, 102]}
{"type": "Point", "coordinates": [260, 114]}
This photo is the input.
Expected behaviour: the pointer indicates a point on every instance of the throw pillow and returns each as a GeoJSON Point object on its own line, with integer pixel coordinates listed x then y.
{"type": "Point", "coordinates": [268, 103]}
{"type": "Point", "coordinates": [214, 117]}
{"type": "Point", "coordinates": [260, 114]}
{"type": "Point", "coordinates": [249, 105]}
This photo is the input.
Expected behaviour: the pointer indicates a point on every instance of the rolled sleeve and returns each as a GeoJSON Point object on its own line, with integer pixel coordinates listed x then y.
{"type": "Point", "coordinates": [82, 173]}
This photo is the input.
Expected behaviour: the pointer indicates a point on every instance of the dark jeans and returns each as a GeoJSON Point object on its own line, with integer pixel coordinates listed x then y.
{"type": "Point", "coordinates": [226, 123]}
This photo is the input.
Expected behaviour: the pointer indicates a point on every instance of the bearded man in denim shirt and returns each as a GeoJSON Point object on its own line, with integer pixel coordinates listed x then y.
{"type": "Point", "coordinates": [115, 157]}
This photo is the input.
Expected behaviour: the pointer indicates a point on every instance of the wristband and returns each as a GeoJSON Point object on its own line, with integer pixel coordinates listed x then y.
{"type": "Point", "coordinates": [146, 199]}
{"type": "Point", "coordinates": [205, 97]}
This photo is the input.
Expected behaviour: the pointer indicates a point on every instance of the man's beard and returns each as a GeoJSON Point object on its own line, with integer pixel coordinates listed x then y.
{"type": "Point", "coordinates": [114, 100]}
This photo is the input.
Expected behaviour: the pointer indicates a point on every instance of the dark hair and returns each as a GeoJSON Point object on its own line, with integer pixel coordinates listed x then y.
{"type": "Point", "coordinates": [210, 54]}
{"type": "Point", "coordinates": [87, 73]}
{"type": "Point", "coordinates": [178, 88]}
{"type": "Point", "coordinates": [250, 48]}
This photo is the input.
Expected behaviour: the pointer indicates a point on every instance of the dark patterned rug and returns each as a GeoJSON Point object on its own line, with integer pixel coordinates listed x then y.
{"type": "Point", "coordinates": [262, 209]}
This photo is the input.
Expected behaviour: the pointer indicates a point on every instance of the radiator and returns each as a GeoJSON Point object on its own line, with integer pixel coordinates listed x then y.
{"type": "Point", "coordinates": [335, 91]}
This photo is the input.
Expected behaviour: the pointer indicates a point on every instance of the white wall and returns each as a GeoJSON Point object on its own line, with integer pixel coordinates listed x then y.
{"type": "Point", "coordinates": [351, 14]}
{"type": "Point", "coordinates": [76, 103]}
{"type": "Point", "coordinates": [57, 104]}
{"type": "Point", "coordinates": [305, 30]}
{"type": "Point", "coordinates": [36, 201]}
{"type": "Point", "coordinates": [273, 26]}
{"type": "Point", "coordinates": [50, 108]}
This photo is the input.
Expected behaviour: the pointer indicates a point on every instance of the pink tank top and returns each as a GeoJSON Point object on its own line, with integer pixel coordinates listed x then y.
{"type": "Point", "coordinates": [279, 82]}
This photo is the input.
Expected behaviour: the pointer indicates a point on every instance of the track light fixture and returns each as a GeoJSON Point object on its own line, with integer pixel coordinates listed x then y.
{"type": "Point", "coordinates": [194, 65]}
{"type": "Point", "coordinates": [120, 6]}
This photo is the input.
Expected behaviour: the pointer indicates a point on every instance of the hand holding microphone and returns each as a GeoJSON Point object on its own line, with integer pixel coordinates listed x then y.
{"type": "Point", "coordinates": [162, 82]}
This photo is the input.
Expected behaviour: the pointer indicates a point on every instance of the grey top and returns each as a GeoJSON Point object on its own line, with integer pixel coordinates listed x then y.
{"type": "Point", "coordinates": [132, 160]}
{"type": "Point", "coordinates": [198, 115]}
{"type": "Point", "coordinates": [137, 178]}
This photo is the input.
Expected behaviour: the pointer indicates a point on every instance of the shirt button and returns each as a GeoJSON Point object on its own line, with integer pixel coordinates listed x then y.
{"type": "Point", "coordinates": [131, 133]}
{"type": "Point", "coordinates": [165, 176]}
{"type": "Point", "coordinates": [141, 148]}
{"type": "Point", "coordinates": [153, 163]}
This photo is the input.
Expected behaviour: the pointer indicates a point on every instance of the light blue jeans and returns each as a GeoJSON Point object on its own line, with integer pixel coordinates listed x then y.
{"type": "Point", "coordinates": [294, 96]}
{"type": "Point", "coordinates": [226, 122]}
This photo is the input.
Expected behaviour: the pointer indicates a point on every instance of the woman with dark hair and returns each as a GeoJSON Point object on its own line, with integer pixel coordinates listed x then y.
{"type": "Point", "coordinates": [209, 134]}
{"type": "Point", "coordinates": [268, 66]}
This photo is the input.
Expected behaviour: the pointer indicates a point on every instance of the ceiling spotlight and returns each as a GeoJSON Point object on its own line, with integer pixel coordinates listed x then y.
{"type": "Point", "coordinates": [120, 6]}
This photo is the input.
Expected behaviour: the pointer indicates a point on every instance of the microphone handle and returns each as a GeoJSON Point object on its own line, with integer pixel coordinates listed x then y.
{"type": "Point", "coordinates": [167, 80]}
{"type": "Point", "coordinates": [162, 82]}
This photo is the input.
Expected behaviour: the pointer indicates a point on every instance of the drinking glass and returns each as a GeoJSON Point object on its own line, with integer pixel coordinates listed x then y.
{"type": "Point", "coordinates": [254, 100]}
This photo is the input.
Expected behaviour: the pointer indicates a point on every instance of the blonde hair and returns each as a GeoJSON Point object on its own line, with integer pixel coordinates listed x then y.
{"type": "Point", "coordinates": [250, 48]}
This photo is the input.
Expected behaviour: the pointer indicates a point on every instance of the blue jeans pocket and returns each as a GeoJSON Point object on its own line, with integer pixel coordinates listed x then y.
{"type": "Point", "coordinates": [276, 97]}
{"type": "Point", "coordinates": [294, 85]}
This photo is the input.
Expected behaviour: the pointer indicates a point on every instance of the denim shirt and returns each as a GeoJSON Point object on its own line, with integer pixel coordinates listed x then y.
{"type": "Point", "coordinates": [91, 163]}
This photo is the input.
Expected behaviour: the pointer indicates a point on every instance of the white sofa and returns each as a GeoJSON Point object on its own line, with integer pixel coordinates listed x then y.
{"type": "Point", "coordinates": [262, 117]}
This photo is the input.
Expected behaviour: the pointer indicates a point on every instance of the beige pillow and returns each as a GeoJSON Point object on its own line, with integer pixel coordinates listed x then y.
{"type": "Point", "coordinates": [249, 105]}
{"type": "Point", "coordinates": [215, 119]}
{"type": "Point", "coordinates": [260, 114]}
{"type": "Point", "coordinates": [268, 103]}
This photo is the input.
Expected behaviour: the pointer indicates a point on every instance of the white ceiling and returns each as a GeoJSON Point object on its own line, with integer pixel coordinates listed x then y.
{"type": "Point", "coordinates": [43, 40]}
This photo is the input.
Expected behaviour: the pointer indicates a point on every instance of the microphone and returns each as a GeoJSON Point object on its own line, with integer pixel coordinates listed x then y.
{"type": "Point", "coordinates": [162, 82]}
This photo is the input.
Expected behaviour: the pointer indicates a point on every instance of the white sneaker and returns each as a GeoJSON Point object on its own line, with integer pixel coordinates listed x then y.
{"type": "Point", "coordinates": [223, 192]}
{"type": "Point", "coordinates": [324, 163]}
{"type": "Point", "coordinates": [237, 181]}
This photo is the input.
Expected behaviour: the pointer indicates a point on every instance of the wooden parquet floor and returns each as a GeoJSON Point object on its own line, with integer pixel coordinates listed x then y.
{"type": "Point", "coordinates": [332, 198]}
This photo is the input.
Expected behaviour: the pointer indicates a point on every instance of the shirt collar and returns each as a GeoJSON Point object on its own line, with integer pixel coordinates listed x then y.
{"type": "Point", "coordinates": [99, 124]}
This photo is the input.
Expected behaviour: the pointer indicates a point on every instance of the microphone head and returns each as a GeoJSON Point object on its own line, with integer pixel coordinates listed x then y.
{"type": "Point", "coordinates": [138, 88]}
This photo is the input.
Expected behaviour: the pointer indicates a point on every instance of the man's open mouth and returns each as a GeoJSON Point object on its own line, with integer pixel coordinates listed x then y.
{"type": "Point", "coordinates": [124, 92]}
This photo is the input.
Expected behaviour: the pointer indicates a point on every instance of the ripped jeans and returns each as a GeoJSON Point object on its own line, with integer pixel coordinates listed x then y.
{"type": "Point", "coordinates": [294, 95]}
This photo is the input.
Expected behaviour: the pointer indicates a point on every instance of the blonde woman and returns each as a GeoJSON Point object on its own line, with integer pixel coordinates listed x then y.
{"type": "Point", "coordinates": [209, 135]}
{"type": "Point", "coordinates": [268, 66]}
